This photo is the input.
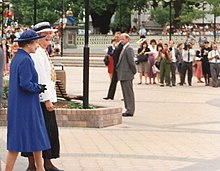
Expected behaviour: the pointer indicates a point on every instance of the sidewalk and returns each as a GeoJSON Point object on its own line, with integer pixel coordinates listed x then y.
{"type": "Point", "coordinates": [173, 129]}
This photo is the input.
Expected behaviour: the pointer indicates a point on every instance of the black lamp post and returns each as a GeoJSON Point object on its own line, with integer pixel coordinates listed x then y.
{"type": "Point", "coordinates": [203, 15]}
{"type": "Point", "coordinates": [61, 53]}
{"type": "Point", "coordinates": [170, 17]}
{"type": "Point", "coordinates": [120, 15]}
{"type": "Point", "coordinates": [86, 58]}
{"type": "Point", "coordinates": [214, 26]}
{"type": "Point", "coordinates": [2, 18]}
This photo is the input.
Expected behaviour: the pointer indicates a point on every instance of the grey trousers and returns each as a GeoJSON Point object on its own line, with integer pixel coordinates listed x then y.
{"type": "Point", "coordinates": [215, 69]}
{"type": "Point", "coordinates": [128, 94]}
{"type": "Point", "coordinates": [173, 73]}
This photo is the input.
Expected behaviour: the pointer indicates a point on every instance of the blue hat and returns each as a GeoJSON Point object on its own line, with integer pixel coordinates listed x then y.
{"type": "Point", "coordinates": [27, 36]}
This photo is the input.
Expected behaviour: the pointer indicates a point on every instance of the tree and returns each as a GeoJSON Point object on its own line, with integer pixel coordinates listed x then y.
{"type": "Point", "coordinates": [190, 11]}
{"type": "Point", "coordinates": [103, 10]}
{"type": "Point", "coordinates": [46, 10]}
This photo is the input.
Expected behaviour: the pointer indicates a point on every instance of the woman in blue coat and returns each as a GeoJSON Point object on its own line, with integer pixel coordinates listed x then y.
{"type": "Point", "coordinates": [26, 131]}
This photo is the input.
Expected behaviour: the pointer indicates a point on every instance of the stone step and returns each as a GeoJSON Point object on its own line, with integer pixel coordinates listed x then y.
{"type": "Point", "coordinates": [78, 61]}
{"type": "Point", "coordinates": [80, 54]}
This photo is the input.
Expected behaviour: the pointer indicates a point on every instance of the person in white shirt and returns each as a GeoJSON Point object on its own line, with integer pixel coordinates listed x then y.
{"type": "Point", "coordinates": [63, 21]}
{"type": "Point", "coordinates": [142, 32]}
{"type": "Point", "coordinates": [188, 55]}
{"type": "Point", "coordinates": [174, 57]}
{"type": "Point", "coordinates": [214, 60]}
{"type": "Point", "coordinates": [47, 76]}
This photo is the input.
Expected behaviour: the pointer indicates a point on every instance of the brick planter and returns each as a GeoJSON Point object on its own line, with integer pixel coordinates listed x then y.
{"type": "Point", "coordinates": [91, 118]}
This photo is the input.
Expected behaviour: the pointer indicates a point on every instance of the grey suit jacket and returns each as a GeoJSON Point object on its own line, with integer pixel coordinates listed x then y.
{"type": "Point", "coordinates": [126, 68]}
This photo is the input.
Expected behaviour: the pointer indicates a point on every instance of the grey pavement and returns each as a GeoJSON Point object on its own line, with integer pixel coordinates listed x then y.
{"type": "Point", "coordinates": [173, 129]}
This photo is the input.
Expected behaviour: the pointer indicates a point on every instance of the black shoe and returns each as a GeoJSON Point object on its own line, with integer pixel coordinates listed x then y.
{"type": "Point", "coordinates": [190, 84]}
{"type": "Point", "coordinates": [52, 169]}
{"type": "Point", "coordinates": [107, 98]}
{"type": "Point", "coordinates": [31, 169]}
{"type": "Point", "coordinates": [181, 84]}
{"type": "Point", "coordinates": [127, 114]}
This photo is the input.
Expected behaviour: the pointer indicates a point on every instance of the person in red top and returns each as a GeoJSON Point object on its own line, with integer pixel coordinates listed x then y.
{"type": "Point", "coordinates": [109, 52]}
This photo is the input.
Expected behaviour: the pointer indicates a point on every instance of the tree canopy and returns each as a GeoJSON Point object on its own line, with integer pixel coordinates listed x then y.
{"type": "Point", "coordinates": [183, 11]}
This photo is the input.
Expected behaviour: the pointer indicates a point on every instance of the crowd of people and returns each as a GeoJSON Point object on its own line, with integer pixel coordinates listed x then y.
{"type": "Point", "coordinates": [160, 63]}
{"type": "Point", "coordinates": [194, 30]}
{"type": "Point", "coordinates": [9, 46]}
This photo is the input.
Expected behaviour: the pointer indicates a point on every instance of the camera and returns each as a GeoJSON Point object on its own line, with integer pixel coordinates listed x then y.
{"type": "Point", "coordinates": [136, 62]}
{"type": "Point", "coordinates": [170, 49]}
{"type": "Point", "coordinates": [186, 46]}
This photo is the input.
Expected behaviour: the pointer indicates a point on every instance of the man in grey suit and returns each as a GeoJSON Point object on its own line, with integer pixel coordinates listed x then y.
{"type": "Point", "coordinates": [174, 54]}
{"type": "Point", "coordinates": [126, 70]}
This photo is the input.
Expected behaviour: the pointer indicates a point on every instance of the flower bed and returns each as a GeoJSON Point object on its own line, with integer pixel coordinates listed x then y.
{"type": "Point", "coordinates": [71, 114]}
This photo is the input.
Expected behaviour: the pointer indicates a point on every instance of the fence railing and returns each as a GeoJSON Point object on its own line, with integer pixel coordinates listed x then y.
{"type": "Point", "coordinates": [105, 40]}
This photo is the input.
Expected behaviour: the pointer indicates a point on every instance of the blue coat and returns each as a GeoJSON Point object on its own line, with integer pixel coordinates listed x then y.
{"type": "Point", "coordinates": [26, 127]}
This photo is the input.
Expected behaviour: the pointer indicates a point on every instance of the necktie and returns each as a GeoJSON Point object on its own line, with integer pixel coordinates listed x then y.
{"type": "Point", "coordinates": [188, 56]}
{"type": "Point", "coordinates": [215, 58]}
{"type": "Point", "coordinates": [52, 69]}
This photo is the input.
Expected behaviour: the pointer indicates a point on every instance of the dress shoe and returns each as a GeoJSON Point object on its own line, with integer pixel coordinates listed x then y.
{"type": "Point", "coordinates": [31, 169]}
{"type": "Point", "coordinates": [127, 114]}
{"type": "Point", "coordinates": [107, 98]}
{"type": "Point", "coordinates": [53, 170]}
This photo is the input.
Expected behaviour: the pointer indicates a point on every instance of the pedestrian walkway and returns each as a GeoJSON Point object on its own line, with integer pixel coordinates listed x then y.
{"type": "Point", "coordinates": [173, 129]}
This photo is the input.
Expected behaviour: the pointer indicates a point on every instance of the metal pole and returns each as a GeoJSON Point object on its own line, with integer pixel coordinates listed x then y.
{"type": "Point", "coordinates": [120, 16]}
{"type": "Point", "coordinates": [203, 16]}
{"type": "Point", "coordinates": [86, 58]}
{"type": "Point", "coordinates": [35, 12]}
{"type": "Point", "coordinates": [61, 53]}
{"type": "Point", "coordinates": [214, 27]}
{"type": "Point", "coordinates": [170, 20]}
{"type": "Point", "coordinates": [2, 18]}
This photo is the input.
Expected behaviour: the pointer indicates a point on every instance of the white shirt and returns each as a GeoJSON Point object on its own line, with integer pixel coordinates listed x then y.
{"type": "Point", "coordinates": [142, 31]}
{"type": "Point", "coordinates": [43, 68]}
{"type": "Point", "coordinates": [212, 54]}
{"type": "Point", "coordinates": [191, 53]}
{"type": "Point", "coordinates": [173, 55]}
{"type": "Point", "coordinates": [153, 50]}
{"type": "Point", "coordinates": [63, 20]}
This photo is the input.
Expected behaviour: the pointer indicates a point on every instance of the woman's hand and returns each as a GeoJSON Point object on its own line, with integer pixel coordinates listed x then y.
{"type": "Point", "coordinates": [49, 105]}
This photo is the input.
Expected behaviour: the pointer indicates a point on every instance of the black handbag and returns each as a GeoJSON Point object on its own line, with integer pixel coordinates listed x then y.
{"type": "Point", "coordinates": [142, 58]}
{"type": "Point", "coordinates": [106, 60]}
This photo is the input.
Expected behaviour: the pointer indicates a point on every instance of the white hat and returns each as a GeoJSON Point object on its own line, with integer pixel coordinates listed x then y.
{"type": "Point", "coordinates": [43, 27]}
{"type": "Point", "coordinates": [141, 40]}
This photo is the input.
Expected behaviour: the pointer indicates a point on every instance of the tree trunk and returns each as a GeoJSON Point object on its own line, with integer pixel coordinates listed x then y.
{"type": "Point", "coordinates": [101, 23]}
{"type": "Point", "coordinates": [177, 8]}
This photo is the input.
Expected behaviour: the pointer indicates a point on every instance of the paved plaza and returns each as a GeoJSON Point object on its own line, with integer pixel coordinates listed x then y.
{"type": "Point", "coordinates": [173, 129]}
